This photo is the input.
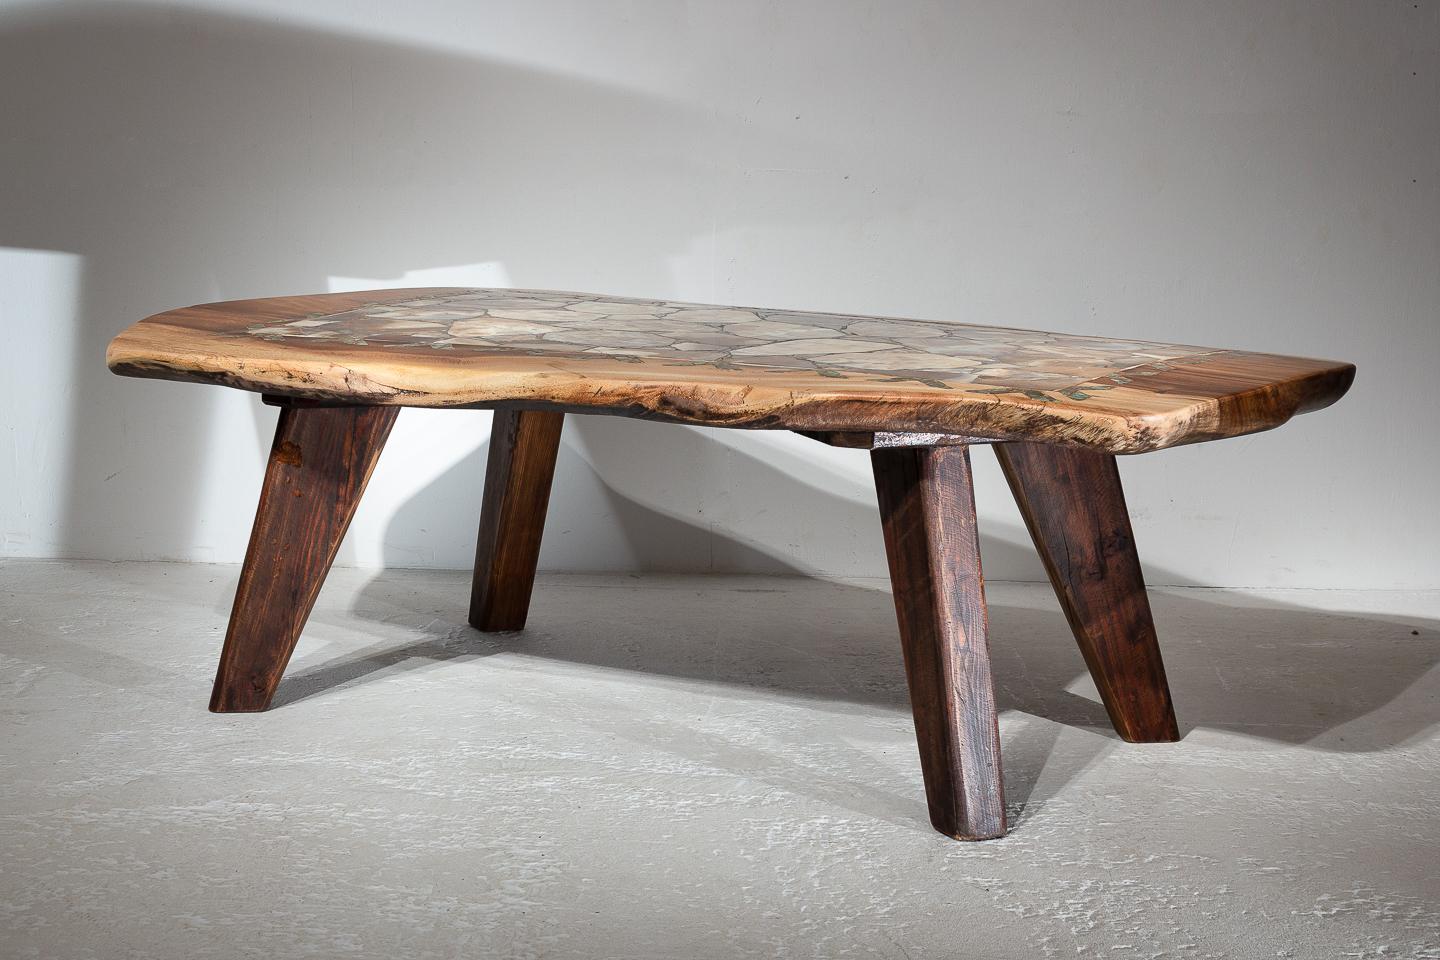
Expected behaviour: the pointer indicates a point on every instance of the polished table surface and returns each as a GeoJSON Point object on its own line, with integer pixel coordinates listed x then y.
{"type": "Point", "coordinates": [726, 366]}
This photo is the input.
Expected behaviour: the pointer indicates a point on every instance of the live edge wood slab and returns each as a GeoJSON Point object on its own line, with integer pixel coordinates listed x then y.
{"type": "Point", "coordinates": [916, 393]}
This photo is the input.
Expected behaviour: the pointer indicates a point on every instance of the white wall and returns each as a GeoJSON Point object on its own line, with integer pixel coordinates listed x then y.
{"type": "Point", "coordinates": [1260, 176]}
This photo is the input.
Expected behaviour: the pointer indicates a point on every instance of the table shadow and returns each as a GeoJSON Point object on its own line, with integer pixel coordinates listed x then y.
{"type": "Point", "coordinates": [1331, 681]}
{"type": "Point", "coordinates": [186, 156]}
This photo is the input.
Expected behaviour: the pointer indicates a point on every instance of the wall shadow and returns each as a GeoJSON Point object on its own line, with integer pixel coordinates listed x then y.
{"type": "Point", "coordinates": [191, 157]}
{"type": "Point", "coordinates": [624, 499]}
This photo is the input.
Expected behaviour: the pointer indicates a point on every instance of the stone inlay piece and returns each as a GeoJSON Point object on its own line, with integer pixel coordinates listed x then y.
{"type": "Point", "coordinates": [1043, 366]}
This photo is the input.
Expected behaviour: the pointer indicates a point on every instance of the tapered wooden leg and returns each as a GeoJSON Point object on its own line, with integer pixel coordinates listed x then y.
{"type": "Point", "coordinates": [927, 510]}
{"type": "Point", "coordinates": [523, 446]}
{"type": "Point", "coordinates": [1073, 504]}
{"type": "Point", "coordinates": [319, 464]}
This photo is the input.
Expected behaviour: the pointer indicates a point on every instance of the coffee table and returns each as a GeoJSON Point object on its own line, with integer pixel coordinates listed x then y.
{"type": "Point", "coordinates": [915, 393]}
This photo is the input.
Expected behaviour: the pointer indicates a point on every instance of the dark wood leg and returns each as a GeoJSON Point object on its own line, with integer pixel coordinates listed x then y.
{"type": "Point", "coordinates": [319, 464]}
{"type": "Point", "coordinates": [1073, 504]}
{"type": "Point", "coordinates": [927, 509]}
{"type": "Point", "coordinates": [523, 445]}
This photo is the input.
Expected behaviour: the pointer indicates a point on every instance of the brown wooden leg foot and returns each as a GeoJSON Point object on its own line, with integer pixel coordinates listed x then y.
{"type": "Point", "coordinates": [927, 509]}
{"type": "Point", "coordinates": [319, 464]}
{"type": "Point", "coordinates": [1073, 504]}
{"type": "Point", "coordinates": [523, 446]}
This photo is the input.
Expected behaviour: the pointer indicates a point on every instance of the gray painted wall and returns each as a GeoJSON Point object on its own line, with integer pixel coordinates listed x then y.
{"type": "Point", "coordinates": [1260, 176]}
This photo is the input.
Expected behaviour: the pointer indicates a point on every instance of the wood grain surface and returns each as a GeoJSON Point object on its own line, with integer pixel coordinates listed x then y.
{"type": "Point", "coordinates": [521, 465]}
{"type": "Point", "coordinates": [1074, 507]}
{"type": "Point", "coordinates": [927, 512]}
{"type": "Point", "coordinates": [319, 464]}
{"type": "Point", "coordinates": [726, 366]}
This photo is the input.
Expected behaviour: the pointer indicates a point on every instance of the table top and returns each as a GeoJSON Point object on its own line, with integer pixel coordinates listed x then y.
{"type": "Point", "coordinates": [726, 366]}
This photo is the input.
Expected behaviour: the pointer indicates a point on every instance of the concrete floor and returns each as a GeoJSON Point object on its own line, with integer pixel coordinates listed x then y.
{"type": "Point", "coordinates": [698, 767]}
